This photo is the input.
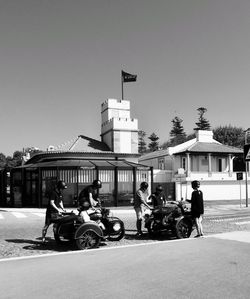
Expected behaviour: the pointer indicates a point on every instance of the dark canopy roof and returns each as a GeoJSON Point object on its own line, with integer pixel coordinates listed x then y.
{"type": "Point", "coordinates": [56, 156]}
{"type": "Point", "coordinates": [88, 164]}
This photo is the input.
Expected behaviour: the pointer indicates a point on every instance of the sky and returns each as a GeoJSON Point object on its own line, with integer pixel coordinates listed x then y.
{"type": "Point", "coordinates": [61, 59]}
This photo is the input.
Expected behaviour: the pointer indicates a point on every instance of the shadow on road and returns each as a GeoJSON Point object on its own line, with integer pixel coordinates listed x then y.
{"type": "Point", "coordinates": [38, 245]}
{"type": "Point", "coordinates": [50, 245]}
{"type": "Point", "coordinates": [131, 235]}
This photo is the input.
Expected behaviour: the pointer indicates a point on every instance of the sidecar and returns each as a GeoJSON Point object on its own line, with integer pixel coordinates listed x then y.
{"type": "Point", "coordinates": [72, 229]}
{"type": "Point", "coordinates": [112, 227]}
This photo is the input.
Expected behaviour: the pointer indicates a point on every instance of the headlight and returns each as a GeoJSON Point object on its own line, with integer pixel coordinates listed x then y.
{"type": "Point", "coordinates": [116, 226]}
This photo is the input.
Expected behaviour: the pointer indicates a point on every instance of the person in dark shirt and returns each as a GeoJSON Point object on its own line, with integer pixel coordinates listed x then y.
{"type": "Point", "coordinates": [197, 207]}
{"type": "Point", "coordinates": [158, 198]}
{"type": "Point", "coordinates": [55, 207]}
{"type": "Point", "coordinates": [88, 197]}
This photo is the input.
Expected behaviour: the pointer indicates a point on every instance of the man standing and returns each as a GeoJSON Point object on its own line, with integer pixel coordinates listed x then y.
{"type": "Point", "coordinates": [140, 202]}
{"type": "Point", "coordinates": [55, 207]}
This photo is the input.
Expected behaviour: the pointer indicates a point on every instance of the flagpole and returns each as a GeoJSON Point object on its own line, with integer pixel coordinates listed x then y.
{"type": "Point", "coordinates": [122, 85]}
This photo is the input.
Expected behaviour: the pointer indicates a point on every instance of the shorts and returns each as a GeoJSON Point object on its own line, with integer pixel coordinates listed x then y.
{"type": "Point", "coordinates": [198, 216]}
{"type": "Point", "coordinates": [139, 212]}
{"type": "Point", "coordinates": [52, 218]}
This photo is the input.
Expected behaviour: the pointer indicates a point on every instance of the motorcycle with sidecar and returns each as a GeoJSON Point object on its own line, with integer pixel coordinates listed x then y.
{"type": "Point", "coordinates": [88, 234]}
{"type": "Point", "coordinates": [174, 218]}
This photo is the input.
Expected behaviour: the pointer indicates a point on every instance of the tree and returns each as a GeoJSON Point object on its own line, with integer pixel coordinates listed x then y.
{"type": "Point", "coordinates": [141, 142]}
{"type": "Point", "coordinates": [14, 161]}
{"type": "Point", "coordinates": [2, 160]}
{"type": "Point", "coordinates": [154, 144]}
{"type": "Point", "coordinates": [203, 123]}
{"type": "Point", "coordinates": [190, 136]}
{"type": "Point", "coordinates": [177, 133]}
{"type": "Point", "coordinates": [18, 158]}
{"type": "Point", "coordinates": [229, 135]}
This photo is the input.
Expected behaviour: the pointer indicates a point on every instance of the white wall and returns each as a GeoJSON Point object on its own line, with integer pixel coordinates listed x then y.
{"type": "Point", "coordinates": [162, 176]}
{"type": "Point", "coordinates": [125, 142]}
{"type": "Point", "coordinates": [221, 190]}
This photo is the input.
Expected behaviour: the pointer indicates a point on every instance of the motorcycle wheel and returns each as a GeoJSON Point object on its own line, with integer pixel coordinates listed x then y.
{"type": "Point", "coordinates": [118, 236]}
{"type": "Point", "coordinates": [183, 229]}
{"type": "Point", "coordinates": [87, 240]}
{"type": "Point", "coordinates": [152, 231]}
{"type": "Point", "coordinates": [149, 228]}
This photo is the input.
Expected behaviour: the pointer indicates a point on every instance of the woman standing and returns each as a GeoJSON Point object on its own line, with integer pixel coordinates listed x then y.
{"type": "Point", "coordinates": [197, 207]}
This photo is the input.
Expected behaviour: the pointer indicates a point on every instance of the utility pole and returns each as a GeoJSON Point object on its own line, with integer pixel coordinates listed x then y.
{"type": "Point", "coordinates": [247, 132]}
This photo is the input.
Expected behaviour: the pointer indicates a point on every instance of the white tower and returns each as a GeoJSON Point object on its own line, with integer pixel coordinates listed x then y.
{"type": "Point", "coordinates": [119, 131]}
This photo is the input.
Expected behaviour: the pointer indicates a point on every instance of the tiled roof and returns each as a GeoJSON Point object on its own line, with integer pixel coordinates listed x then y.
{"type": "Point", "coordinates": [193, 146]}
{"type": "Point", "coordinates": [84, 144]}
{"type": "Point", "coordinates": [211, 147]}
{"type": "Point", "coordinates": [155, 154]}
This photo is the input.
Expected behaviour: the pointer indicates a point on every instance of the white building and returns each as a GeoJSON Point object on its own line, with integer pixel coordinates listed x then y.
{"type": "Point", "coordinates": [202, 158]}
{"type": "Point", "coordinates": [113, 160]}
{"type": "Point", "coordinates": [119, 131]}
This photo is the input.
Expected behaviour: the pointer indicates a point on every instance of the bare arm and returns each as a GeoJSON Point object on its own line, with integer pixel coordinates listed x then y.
{"type": "Point", "coordinates": [61, 205]}
{"type": "Point", "coordinates": [91, 200]}
{"type": "Point", "coordinates": [143, 201]}
{"type": "Point", "coordinates": [52, 203]}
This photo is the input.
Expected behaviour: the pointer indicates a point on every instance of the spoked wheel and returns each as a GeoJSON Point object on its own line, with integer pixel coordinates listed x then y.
{"type": "Point", "coordinates": [183, 229]}
{"type": "Point", "coordinates": [87, 240]}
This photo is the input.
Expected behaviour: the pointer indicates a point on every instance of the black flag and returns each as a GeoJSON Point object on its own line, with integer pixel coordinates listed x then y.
{"type": "Point", "coordinates": [126, 77]}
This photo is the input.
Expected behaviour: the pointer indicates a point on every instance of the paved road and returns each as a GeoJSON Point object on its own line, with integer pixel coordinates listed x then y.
{"type": "Point", "coordinates": [211, 267]}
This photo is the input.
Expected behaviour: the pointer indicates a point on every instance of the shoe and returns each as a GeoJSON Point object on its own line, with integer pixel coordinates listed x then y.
{"type": "Point", "coordinates": [43, 240]}
{"type": "Point", "coordinates": [138, 234]}
{"type": "Point", "coordinates": [197, 236]}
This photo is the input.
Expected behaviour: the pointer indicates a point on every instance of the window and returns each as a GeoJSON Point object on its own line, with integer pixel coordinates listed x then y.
{"type": "Point", "coordinates": [204, 161]}
{"type": "Point", "coordinates": [161, 164]}
{"type": "Point", "coordinates": [220, 165]}
{"type": "Point", "coordinates": [183, 163]}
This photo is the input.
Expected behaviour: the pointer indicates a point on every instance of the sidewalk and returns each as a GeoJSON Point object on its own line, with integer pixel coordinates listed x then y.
{"type": "Point", "coordinates": [224, 207]}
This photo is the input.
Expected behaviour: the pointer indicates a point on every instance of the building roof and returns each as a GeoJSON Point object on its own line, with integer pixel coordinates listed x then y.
{"type": "Point", "coordinates": [86, 164]}
{"type": "Point", "coordinates": [155, 154]}
{"type": "Point", "coordinates": [83, 144]}
{"type": "Point", "coordinates": [59, 155]}
{"type": "Point", "coordinates": [203, 143]}
{"type": "Point", "coordinates": [207, 147]}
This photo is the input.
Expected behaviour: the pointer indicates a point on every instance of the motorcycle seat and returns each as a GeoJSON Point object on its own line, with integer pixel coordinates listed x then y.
{"type": "Point", "coordinates": [95, 216]}
{"type": "Point", "coordinates": [165, 210]}
{"type": "Point", "coordinates": [68, 218]}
